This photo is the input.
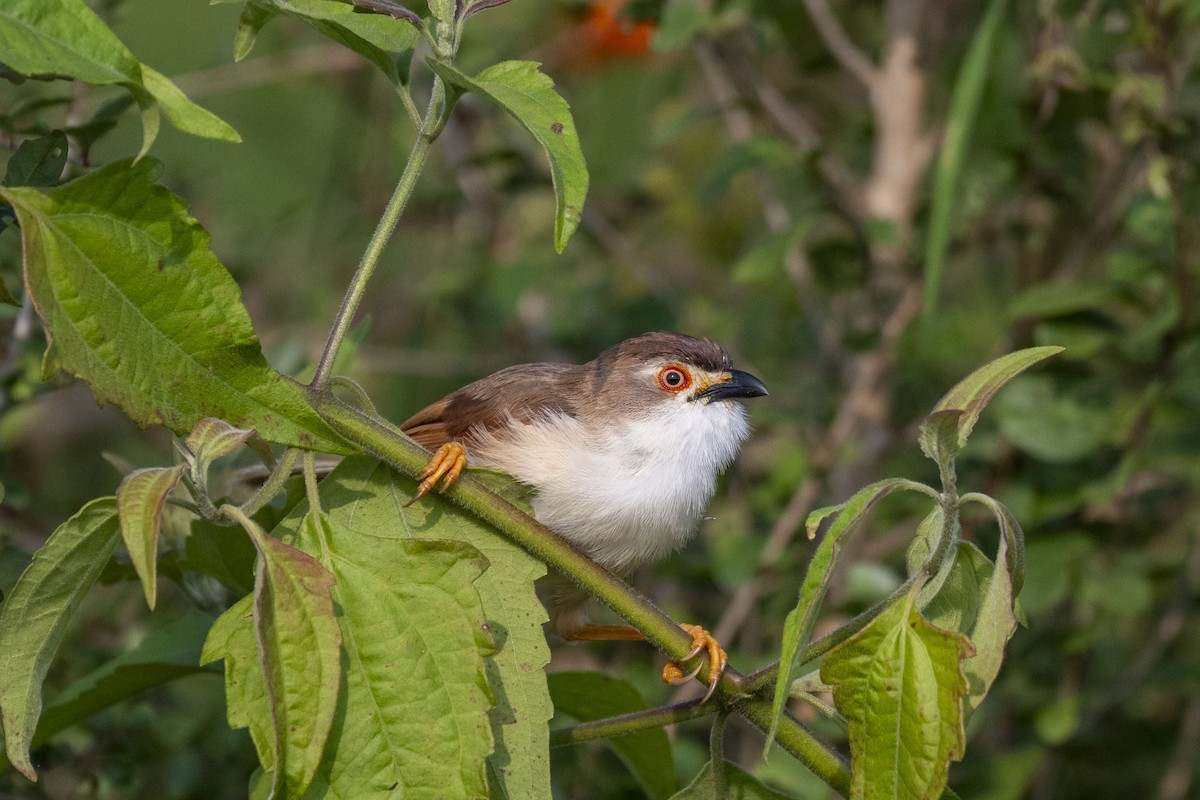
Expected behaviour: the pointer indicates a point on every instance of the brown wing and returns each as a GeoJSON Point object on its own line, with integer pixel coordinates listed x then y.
{"type": "Point", "coordinates": [519, 392]}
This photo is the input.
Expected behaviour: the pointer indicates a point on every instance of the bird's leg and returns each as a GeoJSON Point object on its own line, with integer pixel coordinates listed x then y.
{"type": "Point", "coordinates": [702, 642]}
{"type": "Point", "coordinates": [445, 466]}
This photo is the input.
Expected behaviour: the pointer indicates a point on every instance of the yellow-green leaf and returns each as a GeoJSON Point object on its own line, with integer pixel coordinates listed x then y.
{"type": "Point", "coordinates": [140, 501]}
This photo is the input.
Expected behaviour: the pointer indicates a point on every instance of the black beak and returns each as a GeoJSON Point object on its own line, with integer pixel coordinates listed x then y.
{"type": "Point", "coordinates": [740, 384]}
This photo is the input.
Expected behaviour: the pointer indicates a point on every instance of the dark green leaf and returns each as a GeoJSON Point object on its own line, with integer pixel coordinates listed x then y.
{"type": "Point", "coordinates": [166, 653]}
{"type": "Point", "coordinates": [224, 553]}
{"type": "Point", "coordinates": [529, 96]}
{"type": "Point", "coordinates": [38, 162]}
{"type": "Point", "coordinates": [588, 696]}
{"type": "Point", "coordinates": [34, 617]}
{"type": "Point", "coordinates": [138, 306]}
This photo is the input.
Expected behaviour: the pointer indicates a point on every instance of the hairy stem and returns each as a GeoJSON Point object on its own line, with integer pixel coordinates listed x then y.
{"type": "Point", "coordinates": [630, 723]}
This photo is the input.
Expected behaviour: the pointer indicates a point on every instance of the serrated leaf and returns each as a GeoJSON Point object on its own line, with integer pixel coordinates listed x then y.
{"type": "Point", "coordinates": [414, 698]}
{"type": "Point", "coordinates": [364, 495]}
{"type": "Point", "coordinates": [38, 162]}
{"type": "Point", "coordinates": [529, 96]}
{"type": "Point", "coordinates": [232, 640]}
{"type": "Point", "coordinates": [166, 653]}
{"type": "Point", "coordinates": [417, 698]}
{"type": "Point", "coordinates": [137, 305]}
{"type": "Point", "coordinates": [797, 628]}
{"type": "Point", "coordinates": [588, 696]}
{"type": "Point", "coordinates": [900, 686]}
{"type": "Point", "coordinates": [736, 785]}
{"type": "Point", "coordinates": [140, 500]}
{"type": "Point", "coordinates": [34, 616]}
{"type": "Point", "coordinates": [972, 393]}
{"type": "Point", "coordinates": [381, 40]}
{"type": "Point", "coordinates": [299, 647]}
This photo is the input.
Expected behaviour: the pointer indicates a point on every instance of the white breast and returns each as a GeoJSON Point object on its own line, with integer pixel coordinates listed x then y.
{"type": "Point", "coordinates": [629, 497]}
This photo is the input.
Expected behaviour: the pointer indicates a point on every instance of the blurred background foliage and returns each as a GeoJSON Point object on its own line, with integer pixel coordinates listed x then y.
{"type": "Point", "coordinates": [761, 173]}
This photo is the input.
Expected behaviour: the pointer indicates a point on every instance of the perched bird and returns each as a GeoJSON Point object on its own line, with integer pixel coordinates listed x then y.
{"type": "Point", "coordinates": [622, 453]}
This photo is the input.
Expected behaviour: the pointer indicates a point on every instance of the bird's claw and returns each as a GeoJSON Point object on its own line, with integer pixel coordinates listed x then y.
{"type": "Point", "coordinates": [445, 466]}
{"type": "Point", "coordinates": [702, 642]}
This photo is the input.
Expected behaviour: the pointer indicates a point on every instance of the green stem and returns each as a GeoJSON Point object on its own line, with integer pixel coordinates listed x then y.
{"type": "Point", "coordinates": [796, 739]}
{"type": "Point", "coordinates": [716, 755]}
{"type": "Point", "coordinates": [765, 677]}
{"type": "Point", "coordinates": [388, 443]}
{"type": "Point", "coordinates": [430, 127]}
{"type": "Point", "coordinates": [274, 482]}
{"type": "Point", "coordinates": [630, 723]}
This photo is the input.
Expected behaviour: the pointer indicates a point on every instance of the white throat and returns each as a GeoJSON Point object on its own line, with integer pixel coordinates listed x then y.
{"type": "Point", "coordinates": [625, 494]}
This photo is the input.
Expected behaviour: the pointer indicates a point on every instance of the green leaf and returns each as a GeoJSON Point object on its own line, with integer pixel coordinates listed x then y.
{"type": "Point", "coordinates": [953, 603]}
{"type": "Point", "coordinates": [381, 40]}
{"type": "Point", "coordinates": [299, 646]}
{"type": "Point", "coordinates": [224, 553]}
{"type": "Point", "coordinates": [997, 620]}
{"type": "Point", "coordinates": [138, 306]}
{"type": "Point", "coordinates": [253, 17]}
{"type": "Point", "coordinates": [140, 500]}
{"type": "Point", "coordinates": [212, 438]}
{"type": "Point", "coordinates": [529, 96]}
{"type": "Point", "coordinates": [737, 785]}
{"type": "Point", "coordinates": [797, 628]}
{"type": "Point", "coordinates": [938, 436]}
{"type": "Point", "coordinates": [38, 162]}
{"type": "Point", "coordinates": [929, 531]}
{"type": "Point", "coordinates": [679, 25]}
{"type": "Point", "coordinates": [34, 617]}
{"type": "Point", "coordinates": [588, 696]}
{"type": "Point", "coordinates": [65, 38]}
{"type": "Point", "coordinates": [964, 110]}
{"type": "Point", "coordinates": [182, 112]}
{"type": "Point", "coordinates": [442, 11]}
{"type": "Point", "coordinates": [415, 638]}
{"type": "Point", "coordinates": [366, 496]}
{"type": "Point", "coordinates": [166, 653]}
{"type": "Point", "coordinates": [900, 686]}
{"type": "Point", "coordinates": [972, 393]}
{"type": "Point", "coordinates": [232, 639]}
{"type": "Point", "coordinates": [1053, 424]}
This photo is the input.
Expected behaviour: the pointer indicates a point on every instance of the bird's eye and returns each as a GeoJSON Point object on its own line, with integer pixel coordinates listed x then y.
{"type": "Point", "coordinates": [674, 378]}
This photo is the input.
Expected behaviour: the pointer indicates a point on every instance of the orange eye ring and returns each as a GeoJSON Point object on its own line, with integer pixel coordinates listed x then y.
{"type": "Point", "coordinates": [674, 378]}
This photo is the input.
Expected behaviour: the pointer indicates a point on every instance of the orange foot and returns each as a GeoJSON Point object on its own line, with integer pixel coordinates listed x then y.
{"type": "Point", "coordinates": [702, 641]}
{"type": "Point", "coordinates": [445, 466]}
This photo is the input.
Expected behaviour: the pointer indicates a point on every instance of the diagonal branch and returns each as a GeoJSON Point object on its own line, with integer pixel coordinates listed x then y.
{"type": "Point", "coordinates": [845, 51]}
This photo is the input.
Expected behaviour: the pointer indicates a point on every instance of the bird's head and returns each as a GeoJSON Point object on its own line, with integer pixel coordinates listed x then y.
{"type": "Point", "coordinates": [656, 372]}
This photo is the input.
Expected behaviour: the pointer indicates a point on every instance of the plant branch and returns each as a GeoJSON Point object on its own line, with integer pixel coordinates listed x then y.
{"type": "Point", "coordinates": [430, 126]}
{"type": "Point", "coordinates": [386, 442]}
{"type": "Point", "coordinates": [845, 51]}
{"type": "Point", "coordinates": [631, 723]}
